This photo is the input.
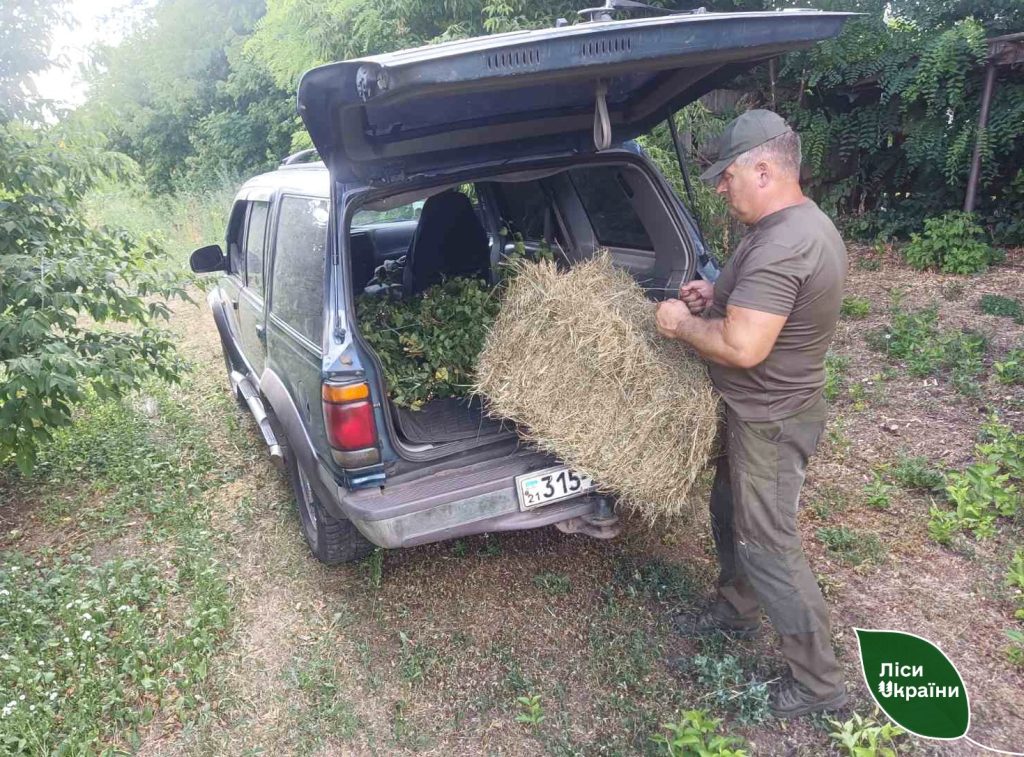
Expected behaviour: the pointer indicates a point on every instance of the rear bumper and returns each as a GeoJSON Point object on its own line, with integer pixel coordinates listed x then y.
{"type": "Point", "coordinates": [450, 504]}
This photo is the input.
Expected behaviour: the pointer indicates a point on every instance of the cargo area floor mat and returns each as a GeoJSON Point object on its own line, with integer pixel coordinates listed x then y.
{"type": "Point", "coordinates": [446, 420]}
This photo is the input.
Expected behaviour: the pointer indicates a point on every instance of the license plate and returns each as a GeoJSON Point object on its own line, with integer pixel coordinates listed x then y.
{"type": "Point", "coordinates": [551, 485]}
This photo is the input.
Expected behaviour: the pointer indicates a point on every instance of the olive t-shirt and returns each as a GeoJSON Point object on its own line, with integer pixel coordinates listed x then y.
{"type": "Point", "coordinates": [792, 263]}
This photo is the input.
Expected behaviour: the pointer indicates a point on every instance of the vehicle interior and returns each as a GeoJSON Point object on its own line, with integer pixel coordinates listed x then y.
{"type": "Point", "coordinates": [401, 245]}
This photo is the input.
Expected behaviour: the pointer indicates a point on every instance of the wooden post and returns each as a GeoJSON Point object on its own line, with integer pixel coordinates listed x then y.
{"type": "Point", "coordinates": [986, 101]}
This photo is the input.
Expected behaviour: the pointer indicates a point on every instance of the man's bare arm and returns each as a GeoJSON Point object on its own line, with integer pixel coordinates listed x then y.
{"type": "Point", "coordinates": [743, 339]}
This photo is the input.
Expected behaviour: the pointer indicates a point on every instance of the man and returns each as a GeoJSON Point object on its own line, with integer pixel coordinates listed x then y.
{"type": "Point", "coordinates": [767, 323]}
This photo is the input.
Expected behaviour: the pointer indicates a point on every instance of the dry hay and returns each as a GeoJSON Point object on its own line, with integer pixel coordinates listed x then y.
{"type": "Point", "coordinates": [574, 358]}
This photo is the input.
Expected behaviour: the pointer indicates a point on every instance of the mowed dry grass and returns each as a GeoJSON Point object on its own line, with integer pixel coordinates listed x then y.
{"type": "Point", "coordinates": [425, 650]}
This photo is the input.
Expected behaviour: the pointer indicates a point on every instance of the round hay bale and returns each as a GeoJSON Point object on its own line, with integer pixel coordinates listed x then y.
{"type": "Point", "coordinates": [574, 358]}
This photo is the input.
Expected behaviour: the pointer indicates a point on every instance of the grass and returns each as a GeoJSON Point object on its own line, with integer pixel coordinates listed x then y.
{"type": "Point", "coordinates": [94, 648]}
{"type": "Point", "coordinates": [180, 222]}
{"type": "Point", "coordinates": [850, 546]}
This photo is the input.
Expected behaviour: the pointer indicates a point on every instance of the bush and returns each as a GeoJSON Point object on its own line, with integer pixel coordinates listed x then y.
{"type": "Point", "coordinates": [951, 243]}
{"type": "Point", "coordinates": [68, 290]}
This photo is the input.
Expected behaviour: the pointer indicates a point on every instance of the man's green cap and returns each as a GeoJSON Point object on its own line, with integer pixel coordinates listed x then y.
{"type": "Point", "coordinates": [745, 132]}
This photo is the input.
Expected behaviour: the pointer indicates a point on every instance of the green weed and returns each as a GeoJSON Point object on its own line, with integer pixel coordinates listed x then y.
{"type": "Point", "coordinates": [1015, 651]}
{"type": "Point", "coordinates": [1007, 307]}
{"type": "Point", "coordinates": [732, 688]}
{"type": "Point", "coordinates": [531, 710]}
{"type": "Point", "coordinates": [852, 547]}
{"type": "Point", "coordinates": [656, 579]}
{"type": "Point", "coordinates": [878, 493]}
{"type": "Point", "coordinates": [835, 375]}
{"type": "Point", "coordinates": [89, 652]}
{"type": "Point", "coordinates": [838, 440]}
{"type": "Point", "coordinates": [1015, 579]}
{"type": "Point", "coordinates": [552, 583]}
{"type": "Point", "coordinates": [696, 734]}
{"type": "Point", "coordinates": [828, 501]}
{"type": "Point", "coordinates": [865, 737]}
{"type": "Point", "coordinates": [855, 308]}
{"type": "Point", "coordinates": [915, 338]}
{"type": "Point", "coordinates": [1010, 370]}
{"type": "Point", "coordinates": [327, 713]}
{"type": "Point", "coordinates": [375, 568]}
{"type": "Point", "coordinates": [986, 489]}
{"type": "Point", "coordinates": [415, 660]}
{"type": "Point", "coordinates": [917, 474]}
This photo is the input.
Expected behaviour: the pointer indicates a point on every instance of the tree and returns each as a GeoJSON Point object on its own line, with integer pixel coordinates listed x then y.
{"type": "Point", "coordinates": [180, 96]}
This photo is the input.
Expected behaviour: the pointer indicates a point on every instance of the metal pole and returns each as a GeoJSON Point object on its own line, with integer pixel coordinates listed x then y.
{"type": "Point", "coordinates": [986, 100]}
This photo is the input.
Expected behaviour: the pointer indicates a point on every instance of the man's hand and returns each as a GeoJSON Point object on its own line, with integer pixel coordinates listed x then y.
{"type": "Point", "coordinates": [671, 317]}
{"type": "Point", "coordinates": [697, 295]}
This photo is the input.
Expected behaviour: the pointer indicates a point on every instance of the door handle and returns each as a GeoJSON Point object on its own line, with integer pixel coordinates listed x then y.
{"type": "Point", "coordinates": [234, 304]}
{"type": "Point", "coordinates": [261, 332]}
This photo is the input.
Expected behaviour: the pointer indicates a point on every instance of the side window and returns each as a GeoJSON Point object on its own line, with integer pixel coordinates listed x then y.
{"type": "Point", "coordinates": [236, 227]}
{"type": "Point", "coordinates": [255, 234]}
{"type": "Point", "coordinates": [604, 196]}
{"type": "Point", "coordinates": [523, 207]}
{"type": "Point", "coordinates": [299, 263]}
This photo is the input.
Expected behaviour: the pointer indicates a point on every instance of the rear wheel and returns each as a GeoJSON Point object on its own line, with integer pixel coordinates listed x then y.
{"type": "Point", "coordinates": [331, 540]}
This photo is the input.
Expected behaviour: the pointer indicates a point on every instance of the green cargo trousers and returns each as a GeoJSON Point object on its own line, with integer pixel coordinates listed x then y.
{"type": "Point", "coordinates": [753, 517]}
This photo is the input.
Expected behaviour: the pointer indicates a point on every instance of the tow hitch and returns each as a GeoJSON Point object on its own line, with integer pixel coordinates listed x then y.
{"type": "Point", "coordinates": [602, 523]}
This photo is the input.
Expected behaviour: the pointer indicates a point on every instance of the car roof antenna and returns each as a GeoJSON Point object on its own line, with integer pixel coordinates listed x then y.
{"type": "Point", "coordinates": [606, 11]}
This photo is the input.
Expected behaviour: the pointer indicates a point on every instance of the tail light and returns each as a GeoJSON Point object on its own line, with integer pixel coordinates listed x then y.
{"type": "Point", "coordinates": [348, 416]}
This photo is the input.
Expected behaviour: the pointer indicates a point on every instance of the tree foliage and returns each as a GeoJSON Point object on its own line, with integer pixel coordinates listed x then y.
{"type": "Point", "coordinates": [79, 305]}
{"type": "Point", "coordinates": [182, 98]}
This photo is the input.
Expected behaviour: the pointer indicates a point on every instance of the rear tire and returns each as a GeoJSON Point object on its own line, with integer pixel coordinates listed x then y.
{"type": "Point", "coordinates": [331, 540]}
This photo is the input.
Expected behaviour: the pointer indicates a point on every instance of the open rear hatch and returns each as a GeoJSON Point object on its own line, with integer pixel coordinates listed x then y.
{"type": "Point", "coordinates": [391, 116]}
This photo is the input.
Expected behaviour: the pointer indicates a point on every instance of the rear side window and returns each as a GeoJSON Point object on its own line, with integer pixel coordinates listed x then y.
{"type": "Point", "coordinates": [523, 206]}
{"type": "Point", "coordinates": [604, 195]}
{"type": "Point", "coordinates": [255, 234]}
{"type": "Point", "coordinates": [299, 262]}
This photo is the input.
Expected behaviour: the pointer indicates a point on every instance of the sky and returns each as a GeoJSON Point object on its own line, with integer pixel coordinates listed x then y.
{"type": "Point", "coordinates": [96, 21]}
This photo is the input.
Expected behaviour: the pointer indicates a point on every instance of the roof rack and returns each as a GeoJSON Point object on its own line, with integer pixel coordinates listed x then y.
{"type": "Point", "coordinates": [302, 156]}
